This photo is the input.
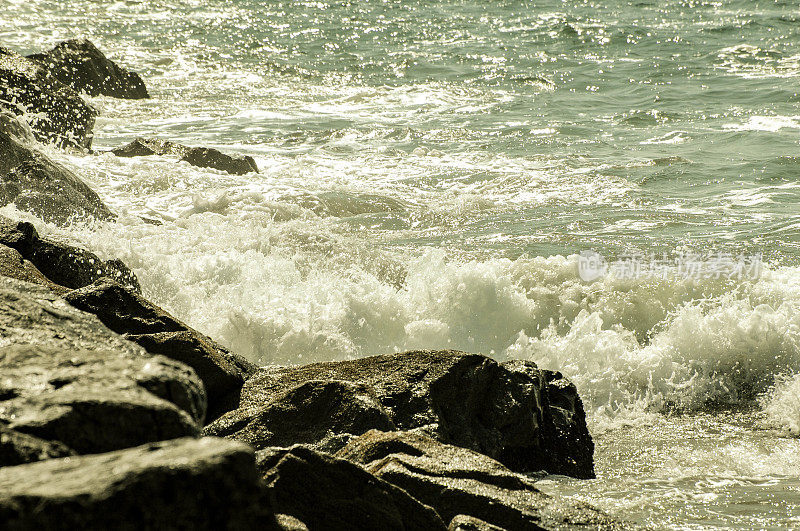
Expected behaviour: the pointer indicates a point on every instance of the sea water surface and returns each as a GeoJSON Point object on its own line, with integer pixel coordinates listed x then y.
{"type": "Point", "coordinates": [429, 171]}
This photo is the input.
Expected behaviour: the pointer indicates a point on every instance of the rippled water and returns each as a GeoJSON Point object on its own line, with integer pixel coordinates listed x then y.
{"type": "Point", "coordinates": [429, 169]}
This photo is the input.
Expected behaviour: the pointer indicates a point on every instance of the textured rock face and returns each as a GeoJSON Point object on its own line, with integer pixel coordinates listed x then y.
{"type": "Point", "coordinates": [62, 264]}
{"type": "Point", "coordinates": [323, 492]}
{"type": "Point", "coordinates": [65, 377]}
{"type": "Point", "coordinates": [78, 64]}
{"type": "Point", "coordinates": [456, 481]}
{"type": "Point", "coordinates": [58, 114]}
{"type": "Point", "coordinates": [507, 412]}
{"type": "Point", "coordinates": [196, 156]}
{"type": "Point", "coordinates": [13, 265]}
{"type": "Point", "coordinates": [314, 412]}
{"type": "Point", "coordinates": [126, 312]}
{"type": "Point", "coordinates": [18, 448]}
{"type": "Point", "coordinates": [35, 183]}
{"type": "Point", "coordinates": [181, 484]}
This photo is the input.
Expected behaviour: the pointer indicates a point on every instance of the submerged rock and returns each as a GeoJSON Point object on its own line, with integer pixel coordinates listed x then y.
{"type": "Point", "coordinates": [456, 481]}
{"type": "Point", "coordinates": [182, 484]}
{"type": "Point", "coordinates": [78, 64]}
{"type": "Point", "coordinates": [34, 183]}
{"type": "Point", "coordinates": [63, 264]}
{"type": "Point", "coordinates": [126, 312]}
{"type": "Point", "coordinates": [526, 418]}
{"type": "Point", "coordinates": [56, 113]}
{"type": "Point", "coordinates": [65, 377]}
{"type": "Point", "coordinates": [196, 156]}
{"type": "Point", "coordinates": [323, 492]}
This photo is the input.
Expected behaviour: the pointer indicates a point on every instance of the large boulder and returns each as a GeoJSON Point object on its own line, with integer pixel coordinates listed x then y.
{"type": "Point", "coordinates": [324, 492]}
{"type": "Point", "coordinates": [182, 484]}
{"type": "Point", "coordinates": [63, 264]}
{"type": "Point", "coordinates": [57, 113]}
{"type": "Point", "coordinates": [65, 377]}
{"type": "Point", "coordinates": [34, 183]}
{"type": "Point", "coordinates": [126, 312]}
{"type": "Point", "coordinates": [319, 413]}
{"type": "Point", "coordinates": [514, 413]}
{"type": "Point", "coordinates": [196, 156]}
{"type": "Point", "coordinates": [456, 481]}
{"type": "Point", "coordinates": [78, 64]}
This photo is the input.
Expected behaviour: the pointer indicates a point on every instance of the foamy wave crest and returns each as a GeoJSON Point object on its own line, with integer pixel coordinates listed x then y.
{"type": "Point", "coordinates": [782, 404]}
{"type": "Point", "coordinates": [304, 290]}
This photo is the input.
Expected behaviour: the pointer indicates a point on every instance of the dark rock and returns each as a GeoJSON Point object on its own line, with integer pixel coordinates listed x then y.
{"type": "Point", "coordinates": [565, 431]}
{"type": "Point", "coordinates": [462, 522]}
{"type": "Point", "coordinates": [36, 184]}
{"type": "Point", "coordinates": [67, 378]}
{"type": "Point", "coordinates": [323, 413]}
{"type": "Point", "coordinates": [196, 156]}
{"type": "Point", "coordinates": [323, 492]}
{"type": "Point", "coordinates": [456, 481]}
{"type": "Point", "coordinates": [80, 65]}
{"type": "Point", "coordinates": [18, 448]}
{"type": "Point", "coordinates": [182, 484]}
{"type": "Point", "coordinates": [502, 411]}
{"type": "Point", "coordinates": [13, 265]}
{"type": "Point", "coordinates": [57, 113]}
{"type": "Point", "coordinates": [126, 312]}
{"type": "Point", "coordinates": [213, 158]}
{"type": "Point", "coordinates": [63, 264]}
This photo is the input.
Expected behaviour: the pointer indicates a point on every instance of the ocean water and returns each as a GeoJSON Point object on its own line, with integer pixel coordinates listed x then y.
{"type": "Point", "coordinates": [430, 172]}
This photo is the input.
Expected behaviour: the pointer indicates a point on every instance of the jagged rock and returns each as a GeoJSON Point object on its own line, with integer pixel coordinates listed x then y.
{"type": "Point", "coordinates": [65, 377]}
{"type": "Point", "coordinates": [56, 112]}
{"type": "Point", "coordinates": [456, 481]}
{"type": "Point", "coordinates": [13, 265]}
{"type": "Point", "coordinates": [63, 264]}
{"type": "Point", "coordinates": [126, 312]}
{"type": "Point", "coordinates": [505, 411]}
{"type": "Point", "coordinates": [18, 448]}
{"type": "Point", "coordinates": [463, 522]}
{"type": "Point", "coordinates": [182, 484]}
{"type": "Point", "coordinates": [80, 65]}
{"type": "Point", "coordinates": [36, 184]}
{"type": "Point", "coordinates": [324, 492]}
{"type": "Point", "coordinates": [196, 156]}
{"type": "Point", "coordinates": [565, 433]}
{"type": "Point", "coordinates": [322, 413]}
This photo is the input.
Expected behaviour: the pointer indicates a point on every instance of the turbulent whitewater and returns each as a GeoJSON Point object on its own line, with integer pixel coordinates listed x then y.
{"type": "Point", "coordinates": [430, 173]}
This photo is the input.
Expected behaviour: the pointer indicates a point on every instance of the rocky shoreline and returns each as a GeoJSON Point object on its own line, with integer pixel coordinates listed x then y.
{"type": "Point", "coordinates": [115, 414]}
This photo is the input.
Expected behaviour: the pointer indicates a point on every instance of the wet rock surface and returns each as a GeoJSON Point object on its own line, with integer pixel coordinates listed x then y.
{"type": "Point", "coordinates": [456, 481]}
{"type": "Point", "coordinates": [63, 264]}
{"type": "Point", "coordinates": [196, 156]}
{"type": "Point", "coordinates": [66, 378]}
{"type": "Point", "coordinates": [126, 312]}
{"type": "Point", "coordinates": [78, 64]}
{"type": "Point", "coordinates": [323, 492]}
{"type": "Point", "coordinates": [181, 484]}
{"type": "Point", "coordinates": [57, 113]}
{"type": "Point", "coordinates": [34, 183]}
{"type": "Point", "coordinates": [468, 400]}
{"type": "Point", "coordinates": [320, 413]}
